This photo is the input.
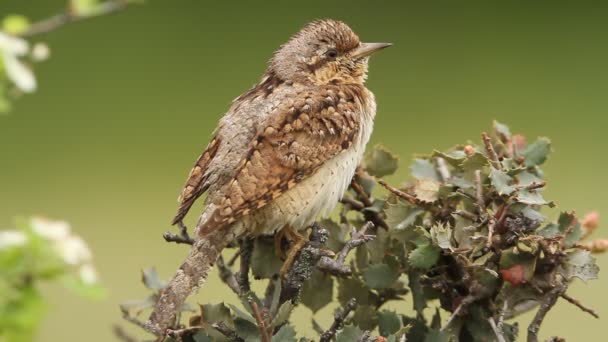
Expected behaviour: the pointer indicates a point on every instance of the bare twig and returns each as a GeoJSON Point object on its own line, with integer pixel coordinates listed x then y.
{"type": "Point", "coordinates": [339, 317]}
{"type": "Point", "coordinates": [260, 321]}
{"type": "Point", "coordinates": [354, 204]}
{"type": "Point", "coordinates": [404, 195]}
{"type": "Point", "coordinates": [490, 150]}
{"type": "Point", "coordinates": [464, 303]}
{"type": "Point", "coordinates": [481, 202]}
{"type": "Point", "coordinates": [580, 305]}
{"type": "Point", "coordinates": [122, 335]}
{"type": "Point", "coordinates": [337, 266]}
{"type": "Point", "coordinates": [497, 331]}
{"type": "Point", "coordinates": [183, 236]}
{"type": "Point", "coordinates": [242, 276]}
{"type": "Point", "coordinates": [546, 305]}
{"type": "Point", "coordinates": [61, 19]}
{"type": "Point", "coordinates": [227, 276]}
{"type": "Point", "coordinates": [442, 166]}
{"type": "Point", "coordinates": [365, 198]}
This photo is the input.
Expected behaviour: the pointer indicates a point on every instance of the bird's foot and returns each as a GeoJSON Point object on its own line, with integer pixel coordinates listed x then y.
{"type": "Point", "coordinates": [297, 243]}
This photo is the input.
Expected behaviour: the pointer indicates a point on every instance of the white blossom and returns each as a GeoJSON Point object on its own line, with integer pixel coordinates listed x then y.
{"type": "Point", "coordinates": [12, 238]}
{"type": "Point", "coordinates": [49, 229]}
{"type": "Point", "coordinates": [74, 250]}
{"type": "Point", "coordinates": [12, 48]}
{"type": "Point", "coordinates": [40, 52]}
{"type": "Point", "coordinates": [88, 274]}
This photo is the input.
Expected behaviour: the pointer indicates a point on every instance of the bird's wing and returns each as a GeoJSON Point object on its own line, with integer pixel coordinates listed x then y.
{"type": "Point", "coordinates": [299, 139]}
{"type": "Point", "coordinates": [196, 184]}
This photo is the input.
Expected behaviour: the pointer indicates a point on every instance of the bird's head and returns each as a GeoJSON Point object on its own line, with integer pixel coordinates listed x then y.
{"type": "Point", "coordinates": [324, 52]}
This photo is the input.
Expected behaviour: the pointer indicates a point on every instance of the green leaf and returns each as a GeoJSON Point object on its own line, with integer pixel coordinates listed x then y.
{"type": "Point", "coordinates": [427, 190]}
{"type": "Point", "coordinates": [442, 235]}
{"type": "Point", "coordinates": [501, 182]}
{"type": "Point", "coordinates": [388, 322]}
{"type": "Point", "coordinates": [419, 301]}
{"type": "Point", "coordinates": [213, 313]}
{"type": "Point", "coordinates": [202, 336]}
{"type": "Point", "coordinates": [567, 221]}
{"type": "Point", "coordinates": [436, 321]}
{"type": "Point", "coordinates": [454, 158]}
{"type": "Point", "coordinates": [286, 334]}
{"type": "Point", "coordinates": [317, 292]}
{"type": "Point", "coordinates": [502, 130]}
{"type": "Point", "coordinates": [380, 276]}
{"type": "Point", "coordinates": [246, 330]}
{"type": "Point", "coordinates": [265, 263]}
{"type": "Point", "coordinates": [15, 24]}
{"type": "Point", "coordinates": [438, 336]}
{"type": "Point", "coordinates": [537, 153]}
{"type": "Point", "coordinates": [283, 313]}
{"type": "Point", "coordinates": [379, 162]}
{"type": "Point", "coordinates": [531, 197]}
{"type": "Point", "coordinates": [337, 234]}
{"type": "Point", "coordinates": [151, 279]}
{"type": "Point", "coordinates": [354, 288]}
{"type": "Point", "coordinates": [424, 257]}
{"type": "Point", "coordinates": [581, 264]}
{"type": "Point", "coordinates": [85, 7]}
{"type": "Point", "coordinates": [401, 215]}
{"type": "Point", "coordinates": [350, 333]}
{"type": "Point", "coordinates": [365, 317]}
{"type": "Point", "coordinates": [423, 168]}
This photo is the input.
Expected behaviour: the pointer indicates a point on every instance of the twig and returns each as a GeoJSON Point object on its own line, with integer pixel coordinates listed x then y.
{"type": "Point", "coordinates": [179, 333]}
{"type": "Point", "coordinates": [404, 195]}
{"type": "Point", "coordinates": [127, 317]}
{"type": "Point", "coordinates": [122, 335]}
{"type": "Point", "coordinates": [367, 202]}
{"type": "Point", "coordinates": [535, 185]}
{"type": "Point", "coordinates": [354, 204]}
{"type": "Point", "coordinates": [497, 331]}
{"type": "Point", "coordinates": [260, 321]}
{"type": "Point", "coordinates": [481, 203]}
{"type": "Point", "coordinates": [442, 166]}
{"type": "Point", "coordinates": [490, 150]}
{"type": "Point", "coordinates": [61, 19]}
{"type": "Point", "coordinates": [304, 264]}
{"type": "Point", "coordinates": [546, 305]}
{"type": "Point", "coordinates": [242, 276]}
{"type": "Point", "coordinates": [233, 259]}
{"type": "Point", "coordinates": [466, 214]}
{"type": "Point", "coordinates": [580, 305]}
{"type": "Point", "coordinates": [227, 276]}
{"type": "Point", "coordinates": [465, 302]}
{"type": "Point", "coordinates": [227, 331]}
{"type": "Point", "coordinates": [183, 236]}
{"type": "Point", "coordinates": [337, 266]}
{"type": "Point", "coordinates": [365, 337]}
{"type": "Point", "coordinates": [339, 317]}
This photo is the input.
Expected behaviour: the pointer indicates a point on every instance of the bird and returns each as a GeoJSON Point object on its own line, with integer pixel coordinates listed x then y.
{"type": "Point", "coordinates": [286, 150]}
{"type": "Point", "coordinates": [283, 154]}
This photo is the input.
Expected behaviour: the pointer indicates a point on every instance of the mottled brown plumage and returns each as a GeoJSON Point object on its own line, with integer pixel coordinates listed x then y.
{"type": "Point", "coordinates": [310, 107]}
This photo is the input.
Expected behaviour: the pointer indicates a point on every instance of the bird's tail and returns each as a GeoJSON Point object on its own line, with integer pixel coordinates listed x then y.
{"type": "Point", "coordinates": [191, 275]}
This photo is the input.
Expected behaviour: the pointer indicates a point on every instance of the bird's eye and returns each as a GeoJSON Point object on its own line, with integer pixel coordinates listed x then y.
{"type": "Point", "coordinates": [331, 53]}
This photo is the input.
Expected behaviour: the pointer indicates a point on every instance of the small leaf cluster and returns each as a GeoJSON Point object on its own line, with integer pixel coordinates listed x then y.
{"type": "Point", "coordinates": [461, 249]}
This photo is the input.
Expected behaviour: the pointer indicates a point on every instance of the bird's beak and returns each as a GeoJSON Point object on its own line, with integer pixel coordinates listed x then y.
{"type": "Point", "coordinates": [366, 49]}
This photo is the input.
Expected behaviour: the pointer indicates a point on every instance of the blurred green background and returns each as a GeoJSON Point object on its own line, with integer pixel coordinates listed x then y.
{"type": "Point", "coordinates": [127, 102]}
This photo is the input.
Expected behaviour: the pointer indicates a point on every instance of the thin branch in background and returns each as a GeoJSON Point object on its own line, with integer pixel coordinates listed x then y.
{"type": "Point", "coordinates": [122, 335]}
{"type": "Point", "coordinates": [481, 202]}
{"type": "Point", "coordinates": [227, 276]}
{"type": "Point", "coordinates": [464, 303]}
{"type": "Point", "coordinates": [580, 305]}
{"type": "Point", "coordinates": [242, 276]}
{"type": "Point", "coordinates": [338, 323]}
{"type": "Point", "coordinates": [260, 321]}
{"type": "Point", "coordinates": [490, 150]}
{"type": "Point", "coordinates": [497, 331]}
{"type": "Point", "coordinates": [127, 317]}
{"type": "Point", "coordinates": [62, 19]}
{"type": "Point", "coordinates": [546, 305]}
{"type": "Point", "coordinates": [402, 194]}
{"type": "Point", "coordinates": [367, 202]}
{"type": "Point", "coordinates": [337, 266]}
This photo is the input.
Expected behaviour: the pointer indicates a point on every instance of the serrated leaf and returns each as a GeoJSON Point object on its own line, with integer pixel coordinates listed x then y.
{"type": "Point", "coordinates": [388, 322]}
{"type": "Point", "coordinates": [151, 279]}
{"type": "Point", "coordinates": [423, 168]}
{"type": "Point", "coordinates": [427, 190]}
{"type": "Point", "coordinates": [454, 158]}
{"type": "Point", "coordinates": [436, 321]}
{"type": "Point", "coordinates": [501, 182]}
{"type": "Point", "coordinates": [286, 334]}
{"type": "Point", "coordinates": [379, 162]}
{"type": "Point", "coordinates": [537, 153]}
{"type": "Point", "coordinates": [240, 314]}
{"type": "Point", "coordinates": [530, 197]}
{"type": "Point", "coordinates": [442, 235]}
{"type": "Point", "coordinates": [265, 263]}
{"type": "Point", "coordinates": [246, 330]}
{"type": "Point", "coordinates": [283, 313]}
{"type": "Point", "coordinates": [213, 313]}
{"type": "Point", "coordinates": [581, 264]}
{"type": "Point", "coordinates": [317, 291]}
{"type": "Point", "coordinates": [380, 276]}
{"type": "Point", "coordinates": [401, 215]}
{"type": "Point", "coordinates": [424, 257]}
{"type": "Point", "coordinates": [365, 317]}
{"type": "Point", "coordinates": [350, 333]}
{"type": "Point", "coordinates": [502, 129]}
{"type": "Point", "coordinates": [354, 288]}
